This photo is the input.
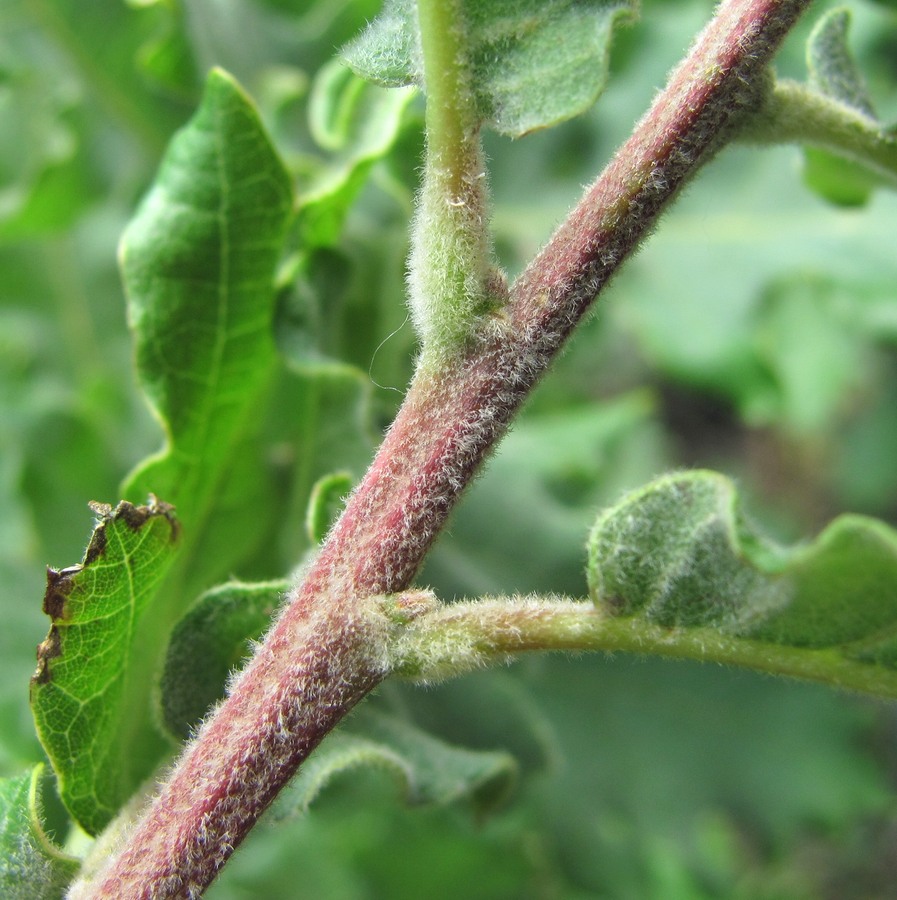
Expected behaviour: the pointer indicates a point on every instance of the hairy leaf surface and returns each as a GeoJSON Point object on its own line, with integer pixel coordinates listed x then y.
{"type": "Point", "coordinates": [680, 557]}
{"type": "Point", "coordinates": [833, 71]}
{"type": "Point", "coordinates": [31, 866]}
{"type": "Point", "coordinates": [428, 770]}
{"type": "Point", "coordinates": [89, 694]}
{"type": "Point", "coordinates": [834, 74]}
{"type": "Point", "coordinates": [533, 64]}
{"type": "Point", "coordinates": [212, 639]}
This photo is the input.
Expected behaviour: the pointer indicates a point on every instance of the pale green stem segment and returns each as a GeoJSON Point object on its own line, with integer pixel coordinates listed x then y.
{"type": "Point", "coordinates": [793, 113]}
{"type": "Point", "coordinates": [452, 127]}
{"type": "Point", "coordinates": [451, 279]}
{"type": "Point", "coordinates": [457, 638]}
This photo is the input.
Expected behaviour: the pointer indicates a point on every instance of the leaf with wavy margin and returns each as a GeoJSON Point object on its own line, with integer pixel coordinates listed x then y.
{"type": "Point", "coordinates": [533, 63]}
{"type": "Point", "coordinates": [32, 867]}
{"type": "Point", "coordinates": [430, 771]}
{"type": "Point", "coordinates": [199, 261]}
{"type": "Point", "coordinates": [679, 561]}
{"type": "Point", "coordinates": [89, 695]}
{"type": "Point", "coordinates": [834, 74]}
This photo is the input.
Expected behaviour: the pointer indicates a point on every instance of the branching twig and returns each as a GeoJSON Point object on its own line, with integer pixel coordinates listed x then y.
{"type": "Point", "coordinates": [448, 640]}
{"type": "Point", "coordinates": [325, 652]}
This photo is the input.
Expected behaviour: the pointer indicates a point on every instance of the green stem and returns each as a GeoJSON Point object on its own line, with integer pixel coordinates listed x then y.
{"type": "Point", "coordinates": [451, 279]}
{"type": "Point", "coordinates": [794, 113]}
{"type": "Point", "coordinates": [457, 638]}
{"type": "Point", "coordinates": [452, 134]}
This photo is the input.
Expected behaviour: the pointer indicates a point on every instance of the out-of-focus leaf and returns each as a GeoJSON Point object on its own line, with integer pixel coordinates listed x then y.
{"type": "Point", "coordinates": [321, 420]}
{"type": "Point", "coordinates": [839, 180]}
{"type": "Point", "coordinates": [810, 337]}
{"type": "Point", "coordinates": [325, 504]}
{"type": "Point", "coordinates": [680, 556]}
{"type": "Point", "coordinates": [31, 866]}
{"type": "Point", "coordinates": [862, 470]}
{"type": "Point", "coordinates": [832, 69]}
{"type": "Point", "coordinates": [429, 771]}
{"type": "Point", "coordinates": [110, 69]}
{"type": "Point", "coordinates": [56, 446]}
{"type": "Point", "coordinates": [312, 309]}
{"type": "Point", "coordinates": [833, 73]}
{"type": "Point", "coordinates": [199, 261]}
{"type": "Point", "coordinates": [483, 711]}
{"type": "Point", "coordinates": [41, 190]}
{"type": "Point", "coordinates": [649, 751]}
{"type": "Point", "coordinates": [219, 630]}
{"type": "Point", "coordinates": [89, 693]}
{"type": "Point", "coordinates": [343, 304]}
{"type": "Point", "coordinates": [358, 123]}
{"type": "Point", "coordinates": [718, 332]}
{"type": "Point", "coordinates": [533, 64]}
{"type": "Point", "coordinates": [166, 58]}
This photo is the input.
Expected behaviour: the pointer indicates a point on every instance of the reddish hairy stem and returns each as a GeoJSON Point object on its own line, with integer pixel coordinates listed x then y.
{"type": "Point", "coordinates": [325, 652]}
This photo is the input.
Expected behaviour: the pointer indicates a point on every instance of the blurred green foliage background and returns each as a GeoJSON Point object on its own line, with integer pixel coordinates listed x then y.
{"type": "Point", "coordinates": [755, 333]}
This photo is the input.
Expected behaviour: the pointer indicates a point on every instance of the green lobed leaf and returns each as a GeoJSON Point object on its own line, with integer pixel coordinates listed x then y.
{"type": "Point", "coordinates": [32, 867]}
{"type": "Point", "coordinates": [832, 69]}
{"type": "Point", "coordinates": [833, 72]}
{"type": "Point", "coordinates": [680, 555]}
{"type": "Point", "coordinates": [209, 642]}
{"type": "Point", "coordinates": [198, 262]}
{"type": "Point", "coordinates": [88, 697]}
{"type": "Point", "coordinates": [429, 771]}
{"type": "Point", "coordinates": [532, 63]}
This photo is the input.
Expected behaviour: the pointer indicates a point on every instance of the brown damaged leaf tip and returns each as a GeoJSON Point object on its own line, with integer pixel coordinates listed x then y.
{"type": "Point", "coordinates": [134, 517]}
{"type": "Point", "coordinates": [47, 649]}
{"type": "Point", "coordinates": [59, 584]}
{"type": "Point", "coordinates": [61, 581]}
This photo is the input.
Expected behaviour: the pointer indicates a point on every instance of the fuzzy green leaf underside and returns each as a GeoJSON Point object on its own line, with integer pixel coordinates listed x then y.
{"type": "Point", "coordinates": [429, 771]}
{"type": "Point", "coordinates": [832, 69]}
{"type": "Point", "coordinates": [209, 642]}
{"type": "Point", "coordinates": [680, 557]}
{"type": "Point", "coordinates": [834, 74]}
{"type": "Point", "coordinates": [31, 866]}
{"type": "Point", "coordinates": [532, 63]}
{"type": "Point", "coordinates": [92, 714]}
